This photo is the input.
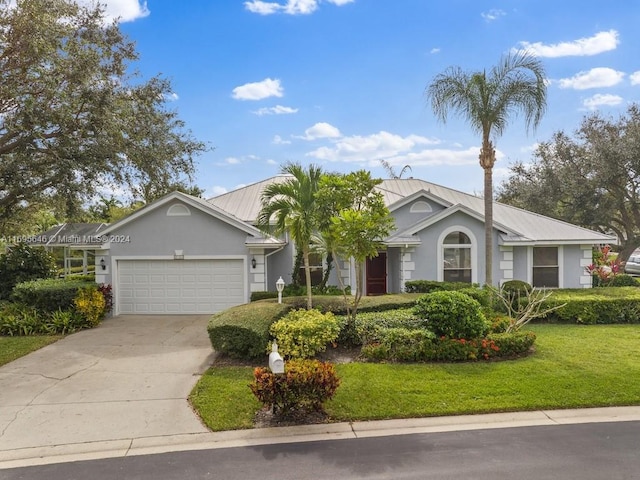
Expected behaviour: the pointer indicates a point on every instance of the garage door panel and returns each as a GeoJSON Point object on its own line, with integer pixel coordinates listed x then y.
{"type": "Point", "coordinates": [179, 286]}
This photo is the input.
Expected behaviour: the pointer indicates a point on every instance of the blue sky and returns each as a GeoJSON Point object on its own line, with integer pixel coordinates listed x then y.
{"type": "Point", "coordinates": [340, 83]}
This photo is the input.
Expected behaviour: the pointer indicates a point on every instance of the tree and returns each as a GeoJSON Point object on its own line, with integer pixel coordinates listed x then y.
{"type": "Point", "coordinates": [292, 207]}
{"type": "Point", "coordinates": [358, 221]}
{"type": "Point", "coordinates": [591, 179]}
{"type": "Point", "coordinates": [74, 116]}
{"type": "Point", "coordinates": [391, 172]}
{"type": "Point", "coordinates": [22, 263]}
{"type": "Point", "coordinates": [487, 101]}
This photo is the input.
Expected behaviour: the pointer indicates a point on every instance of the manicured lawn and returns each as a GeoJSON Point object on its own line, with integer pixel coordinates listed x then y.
{"type": "Point", "coordinates": [573, 366]}
{"type": "Point", "coordinates": [16, 347]}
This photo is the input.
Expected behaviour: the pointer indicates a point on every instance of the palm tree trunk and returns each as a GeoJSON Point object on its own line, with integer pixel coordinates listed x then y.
{"type": "Point", "coordinates": [487, 160]}
{"type": "Point", "coordinates": [307, 276]}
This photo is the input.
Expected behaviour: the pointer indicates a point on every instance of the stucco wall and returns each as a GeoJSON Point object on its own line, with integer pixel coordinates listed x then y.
{"type": "Point", "coordinates": [405, 218]}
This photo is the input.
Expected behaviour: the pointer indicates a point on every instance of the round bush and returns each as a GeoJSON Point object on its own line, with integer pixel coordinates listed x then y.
{"type": "Point", "coordinates": [303, 333]}
{"type": "Point", "coordinates": [517, 287]}
{"type": "Point", "coordinates": [452, 314]}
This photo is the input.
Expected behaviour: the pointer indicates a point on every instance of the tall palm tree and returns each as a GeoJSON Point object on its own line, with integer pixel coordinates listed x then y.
{"type": "Point", "coordinates": [487, 101]}
{"type": "Point", "coordinates": [291, 207]}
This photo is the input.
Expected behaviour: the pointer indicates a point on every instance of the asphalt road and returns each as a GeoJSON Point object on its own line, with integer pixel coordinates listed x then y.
{"type": "Point", "coordinates": [596, 451]}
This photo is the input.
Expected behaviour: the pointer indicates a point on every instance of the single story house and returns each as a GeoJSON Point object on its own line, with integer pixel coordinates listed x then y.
{"type": "Point", "coordinates": [182, 254]}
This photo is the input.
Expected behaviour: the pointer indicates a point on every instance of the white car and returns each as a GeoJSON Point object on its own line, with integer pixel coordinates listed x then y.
{"type": "Point", "coordinates": [632, 267]}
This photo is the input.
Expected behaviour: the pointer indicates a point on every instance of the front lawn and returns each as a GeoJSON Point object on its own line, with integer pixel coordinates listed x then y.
{"type": "Point", "coordinates": [12, 348]}
{"type": "Point", "coordinates": [573, 366]}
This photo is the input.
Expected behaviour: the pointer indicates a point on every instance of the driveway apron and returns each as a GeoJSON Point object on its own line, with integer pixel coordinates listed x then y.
{"type": "Point", "coordinates": [128, 378]}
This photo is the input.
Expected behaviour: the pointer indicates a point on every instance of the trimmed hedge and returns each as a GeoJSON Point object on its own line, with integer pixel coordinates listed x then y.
{"type": "Point", "coordinates": [49, 295]}
{"type": "Point", "coordinates": [428, 286]}
{"type": "Point", "coordinates": [243, 331]}
{"type": "Point", "coordinates": [603, 305]}
{"type": "Point", "coordinates": [405, 345]}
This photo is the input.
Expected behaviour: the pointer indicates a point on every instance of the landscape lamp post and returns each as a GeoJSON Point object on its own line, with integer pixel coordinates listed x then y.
{"type": "Point", "coordinates": [280, 288]}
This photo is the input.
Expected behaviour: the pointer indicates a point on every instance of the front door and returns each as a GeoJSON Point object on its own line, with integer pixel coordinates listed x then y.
{"type": "Point", "coordinates": [377, 274]}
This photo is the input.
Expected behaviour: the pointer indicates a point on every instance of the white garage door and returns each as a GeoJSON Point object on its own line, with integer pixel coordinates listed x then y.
{"type": "Point", "coordinates": [179, 286]}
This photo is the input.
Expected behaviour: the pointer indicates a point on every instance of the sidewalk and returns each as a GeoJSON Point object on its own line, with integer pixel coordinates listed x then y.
{"type": "Point", "coordinates": [334, 431]}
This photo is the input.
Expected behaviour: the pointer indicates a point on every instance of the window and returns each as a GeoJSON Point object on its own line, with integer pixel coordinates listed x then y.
{"type": "Point", "coordinates": [546, 267]}
{"type": "Point", "coordinates": [178, 210]}
{"type": "Point", "coordinates": [457, 262]}
{"type": "Point", "coordinates": [420, 207]}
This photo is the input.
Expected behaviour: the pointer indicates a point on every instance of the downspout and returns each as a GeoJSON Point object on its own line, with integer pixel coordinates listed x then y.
{"type": "Point", "coordinates": [266, 265]}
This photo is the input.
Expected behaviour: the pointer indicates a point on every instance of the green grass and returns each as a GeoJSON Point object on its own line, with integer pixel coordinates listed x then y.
{"type": "Point", "coordinates": [573, 366]}
{"type": "Point", "coordinates": [12, 348]}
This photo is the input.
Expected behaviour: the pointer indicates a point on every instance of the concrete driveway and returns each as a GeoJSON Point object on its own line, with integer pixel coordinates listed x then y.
{"type": "Point", "coordinates": [129, 378]}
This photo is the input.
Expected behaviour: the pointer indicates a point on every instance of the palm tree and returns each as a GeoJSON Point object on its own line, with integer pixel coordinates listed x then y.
{"type": "Point", "coordinates": [293, 208]}
{"type": "Point", "coordinates": [487, 101]}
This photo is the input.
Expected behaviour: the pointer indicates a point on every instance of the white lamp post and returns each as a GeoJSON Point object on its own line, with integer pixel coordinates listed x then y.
{"type": "Point", "coordinates": [280, 288]}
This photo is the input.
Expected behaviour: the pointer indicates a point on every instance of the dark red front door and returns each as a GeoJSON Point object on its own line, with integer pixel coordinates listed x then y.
{"type": "Point", "coordinates": [377, 274]}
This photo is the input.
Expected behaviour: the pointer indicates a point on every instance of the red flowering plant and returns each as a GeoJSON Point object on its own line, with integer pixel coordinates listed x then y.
{"type": "Point", "coordinates": [605, 266]}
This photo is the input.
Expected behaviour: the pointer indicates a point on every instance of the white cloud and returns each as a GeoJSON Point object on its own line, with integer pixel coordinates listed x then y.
{"type": "Point", "coordinates": [599, 100]}
{"type": "Point", "coordinates": [600, 42]}
{"type": "Point", "coordinates": [215, 191]}
{"type": "Point", "coordinates": [259, 90]}
{"type": "Point", "coordinates": [635, 78]}
{"type": "Point", "coordinates": [493, 14]}
{"type": "Point", "coordinates": [435, 50]}
{"type": "Point", "coordinates": [321, 130]}
{"type": "Point", "coordinates": [370, 148]}
{"type": "Point", "coordinates": [594, 78]}
{"type": "Point", "coordinates": [232, 161]}
{"type": "Point", "coordinates": [171, 97]}
{"type": "Point", "coordinates": [290, 7]}
{"type": "Point", "coordinates": [277, 110]}
{"type": "Point", "coordinates": [277, 140]}
{"type": "Point", "coordinates": [124, 10]}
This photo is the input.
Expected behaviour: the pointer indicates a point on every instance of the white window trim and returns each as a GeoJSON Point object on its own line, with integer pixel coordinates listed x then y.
{"type": "Point", "coordinates": [441, 247]}
{"type": "Point", "coordinates": [178, 210]}
{"type": "Point", "coordinates": [421, 207]}
{"type": "Point", "coordinates": [560, 264]}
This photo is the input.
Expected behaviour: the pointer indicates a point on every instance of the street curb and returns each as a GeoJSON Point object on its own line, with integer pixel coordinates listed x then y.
{"type": "Point", "coordinates": [308, 433]}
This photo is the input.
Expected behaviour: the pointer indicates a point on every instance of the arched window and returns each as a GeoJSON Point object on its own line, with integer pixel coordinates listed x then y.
{"type": "Point", "coordinates": [420, 207]}
{"type": "Point", "coordinates": [457, 256]}
{"type": "Point", "coordinates": [178, 210]}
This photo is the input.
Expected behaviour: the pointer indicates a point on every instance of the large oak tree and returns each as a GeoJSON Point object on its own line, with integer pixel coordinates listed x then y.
{"type": "Point", "coordinates": [590, 178]}
{"type": "Point", "coordinates": [75, 117]}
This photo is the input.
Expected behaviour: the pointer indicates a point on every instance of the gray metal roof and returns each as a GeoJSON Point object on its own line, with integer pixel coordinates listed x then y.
{"type": "Point", "coordinates": [518, 226]}
{"type": "Point", "coordinates": [71, 235]}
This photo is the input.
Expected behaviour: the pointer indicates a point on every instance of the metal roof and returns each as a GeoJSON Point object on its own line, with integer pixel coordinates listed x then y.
{"type": "Point", "coordinates": [518, 226]}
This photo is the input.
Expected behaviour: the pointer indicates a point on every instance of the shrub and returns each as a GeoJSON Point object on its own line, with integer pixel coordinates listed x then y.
{"type": "Point", "coordinates": [428, 286]}
{"type": "Point", "coordinates": [305, 386]}
{"type": "Point", "coordinates": [20, 320]}
{"type": "Point", "coordinates": [517, 287]}
{"type": "Point", "coordinates": [452, 314]}
{"type": "Point", "coordinates": [90, 304]}
{"type": "Point", "coordinates": [243, 331]}
{"type": "Point", "coordinates": [303, 333]}
{"type": "Point", "coordinates": [513, 344]}
{"type": "Point", "coordinates": [482, 295]}
{"type": "Point", "coordinates": [65, 322]}
{"type": "Point", "coordinates": [107, 292]}
{"type": "Point", "coordinates": [399, 344]}
{"type": "Point", "coordinates": [22, 263]}
{"type": "Point", "coordinates": [49, 295]}
{"type": "Point", "coordinates": [500, 323]}
{"type": "Point", "coordinates": [368, 325]}
{"type": "Point", "coordinates": [623, 280]}
{"type": "Point", "coordinates": [595, 306]}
